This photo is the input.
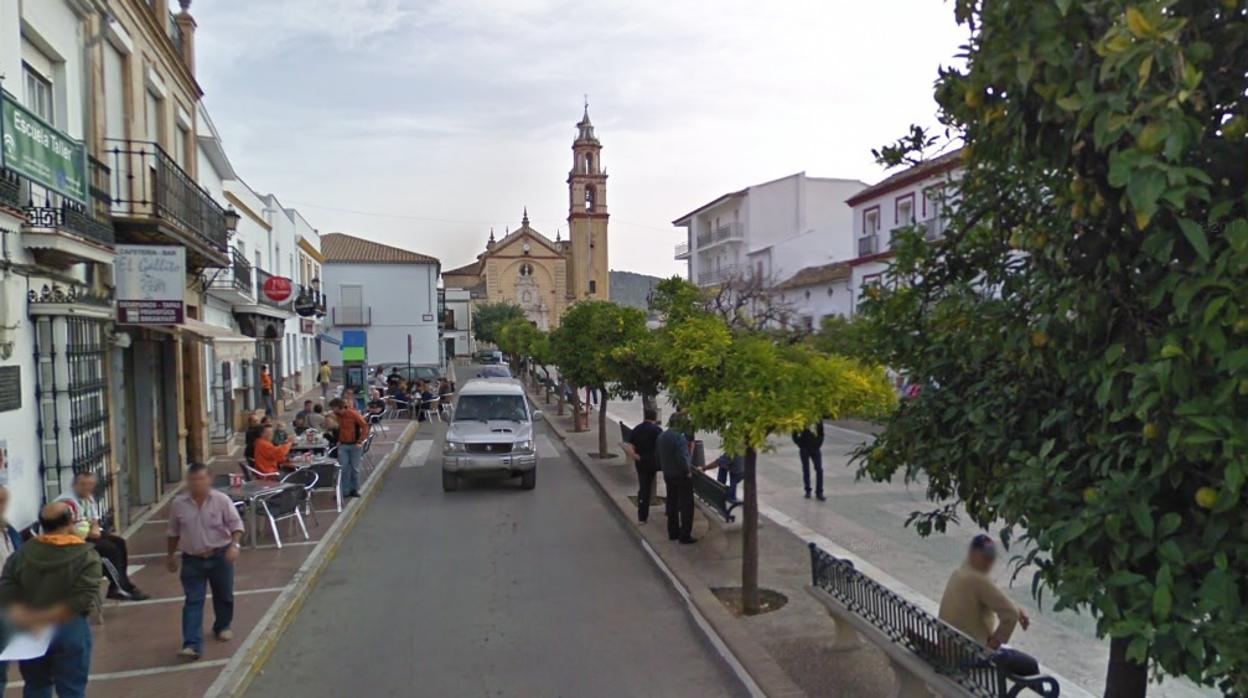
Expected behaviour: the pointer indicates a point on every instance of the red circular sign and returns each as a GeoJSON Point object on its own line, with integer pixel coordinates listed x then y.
{"type": "Point", "coordinates": [277, 289]}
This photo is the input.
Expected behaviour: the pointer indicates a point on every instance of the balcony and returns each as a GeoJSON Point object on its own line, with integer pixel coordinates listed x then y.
{"type": "Point", "coordinates": [682, 250]}
{"type": "Point", "coordinates": [155, 201]}
{"type": "Point", "coordinates": [11, 190]}
{"type": "Point", "coordinates": [728, 232]}
{"type": "Point", "coordinates": [868, 244]}
{"type": "Point", "coordinates": [234, 282]}
{"type": "Point", "coordinates": [309, 302]}
{"type": "Point", "coordinates": [351, 316]}
{"type": "Point", "coordinates": [60, 231]}
{"type": "Point", "coordinates": [934, 228]}
{"type": "Point", "coordinates": [720, 275]}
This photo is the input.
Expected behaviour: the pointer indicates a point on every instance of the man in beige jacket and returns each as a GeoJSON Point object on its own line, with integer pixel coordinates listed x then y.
{"type": "Point", "coordinates": [973, 604]}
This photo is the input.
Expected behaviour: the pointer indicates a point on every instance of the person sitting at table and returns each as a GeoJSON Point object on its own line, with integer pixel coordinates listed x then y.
{"type": "Point", "coordinates": [269, 456]}
{"type": "Point", "coordinates": [444, 388]}
{"type": "Point", "coordinates": [316, 420]}
{"type": "Point", "coordinates": [428, 401]}
{"type": "Point", "coordinates": [254, 427]}
{"type": "Point", "coordinates": [398, 391]}
{"type": "Point", "coordinates": [301, 417]}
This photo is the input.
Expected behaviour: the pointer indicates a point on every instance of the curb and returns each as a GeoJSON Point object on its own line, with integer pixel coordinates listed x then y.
{"type": "Point", "coordinates": [754, 667]}
{"type": "Point", "coordinates": [253, 653]}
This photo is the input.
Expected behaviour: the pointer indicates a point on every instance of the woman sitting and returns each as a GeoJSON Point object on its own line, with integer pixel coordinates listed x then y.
{"type": "Point", "coordinates": [269, 456]}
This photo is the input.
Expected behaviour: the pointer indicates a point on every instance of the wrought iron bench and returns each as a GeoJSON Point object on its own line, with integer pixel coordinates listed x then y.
{"type": "Point", "coordinates": [714, 495]}
{"type": "Point", "coordinates": [927, 654]}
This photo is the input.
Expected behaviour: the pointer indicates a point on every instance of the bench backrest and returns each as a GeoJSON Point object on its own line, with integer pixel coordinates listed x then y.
{"type": "Point", "coordinates": [715, 494]}
{"type": "Point", "coordinates": [947, 651]}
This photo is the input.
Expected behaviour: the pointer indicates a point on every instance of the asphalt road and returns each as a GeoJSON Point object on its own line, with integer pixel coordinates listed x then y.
{"type": "Point", "coordinates": [492, 591]}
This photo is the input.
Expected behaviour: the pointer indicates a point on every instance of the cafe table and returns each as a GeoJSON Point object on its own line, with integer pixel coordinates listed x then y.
{"type": "Point", "coordinates": [248, 493]}
{"type": "Point", "coordinates": [299, 446]}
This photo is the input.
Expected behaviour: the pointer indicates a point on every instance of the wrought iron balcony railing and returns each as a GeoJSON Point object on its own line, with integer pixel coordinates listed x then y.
{"type": "Point", "coordinates": [48, 209]}
{"type": "Point", "coordinates": [868, 244]}
{"type": "Point", "coordinates": [147, 184]}
{"type": "Point", "coordinates": [235, 277]}
{"type": "Point", "coordinates": [682, 250]}
{"type": "Point", "coordinates": [724, 233]}
{"type": "Point", "coordinates": [11, 189]}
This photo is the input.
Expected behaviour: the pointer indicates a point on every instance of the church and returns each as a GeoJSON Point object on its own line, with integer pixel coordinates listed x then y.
{"type": "Point", "coordinates": [545, 277]}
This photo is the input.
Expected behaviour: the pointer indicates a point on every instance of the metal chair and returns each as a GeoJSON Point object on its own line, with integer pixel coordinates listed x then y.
{"type": "Point", "coordinates": [433, 409]}
{"type": "Point", "coordinates": [401, 407]}
{"type": "Point", "coordinates": [250, 472]}
{"type": "Point", "coordinates": [328, 476]}
{"type": "Point", "coordinates": [365, 448]}
{"type": "Point", "coordinates": [376, 421]}
{"type": "Point", "coordinates": [281, 505]}
{"type": "Point", "coordinates": [307, 479]}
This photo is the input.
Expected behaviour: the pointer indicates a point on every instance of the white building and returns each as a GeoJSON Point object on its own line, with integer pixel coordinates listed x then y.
{"type": "Point", "coordinates": [388, 294]}
{"type": "Point", "coordinates": [56, 348]}
{"type": "Point", "coordinates": [912, 195]}
{"type": "Point", "coordinates": [456, 323]}
{"type": "Point", "coordinates": [772, 229]}
{"type": "Point", "coordinates": [817, 292]}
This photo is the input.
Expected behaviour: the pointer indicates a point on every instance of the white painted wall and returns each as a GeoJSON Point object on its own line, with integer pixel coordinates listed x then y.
{"type": "Point", "coordinates": [400, 297]}
{"type": "Point", "coordinates": [48, 31]}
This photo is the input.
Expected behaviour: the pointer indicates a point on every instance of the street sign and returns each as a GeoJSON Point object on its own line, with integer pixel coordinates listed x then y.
{"type": "Point", "coordinates": [278, 289]}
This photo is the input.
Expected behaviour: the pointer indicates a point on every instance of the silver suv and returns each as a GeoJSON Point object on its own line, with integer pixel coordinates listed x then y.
{"type": "Point", "coordinates": [491, 435]}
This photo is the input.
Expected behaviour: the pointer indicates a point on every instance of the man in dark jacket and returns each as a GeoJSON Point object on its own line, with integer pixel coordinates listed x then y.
{"type": "Point", "coordinates": [641, 445]}
{"type": "Point", "coordinates": [809, 441]}
{"type": "Point", "coordinates": [672, 449]}
{"type": "Point", "coordinates": [54, 579]}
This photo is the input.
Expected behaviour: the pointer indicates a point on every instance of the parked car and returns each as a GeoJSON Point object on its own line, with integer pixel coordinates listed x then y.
{"type": "Point", "coordinates": [491, 435]}
{"type": "Point", "coordinates": [494, 371]}
{"type": "Point", "coordinates": [414, 373]}
{"type": "Point", "coordinates": [489, 357]}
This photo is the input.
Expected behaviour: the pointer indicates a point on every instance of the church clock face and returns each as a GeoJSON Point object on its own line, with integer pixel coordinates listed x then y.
{"type": "Point", "coordinates": [525, 248]}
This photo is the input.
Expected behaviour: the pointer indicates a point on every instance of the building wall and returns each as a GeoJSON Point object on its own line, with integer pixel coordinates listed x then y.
{"type": "Point", "coordinates": [815, 302]}
{"type": "Point", "coordinates": [400, 297]}
{"type": "Point", "coordinates": [17, 347]}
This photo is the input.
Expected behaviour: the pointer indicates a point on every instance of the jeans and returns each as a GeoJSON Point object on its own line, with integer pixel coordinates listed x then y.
{"type": "Point", "coordinates": [349, 457]}
{"type": "Point", "coordinates": [812, 457]}
{"type": "Point", "coordinates": [679, 506]}
{"type": "Point", "coordinates": [197, 573]}
{"type": "Point", "coordinates": [324, 391]}
{"type": "Point", "coordinates": [727, 477]}
{"type": "Point", "coordinates": [1016, 662]}
{"type": "Point", "coordinates": [269, 406]}
{"type": "Point", "coordinates": [645, 485]}
{"type": "Point", "coordinates": [66, 665]}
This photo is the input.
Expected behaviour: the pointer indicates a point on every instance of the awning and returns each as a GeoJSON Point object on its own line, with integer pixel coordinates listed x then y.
{"type": "Point", "coordinates": [227, 345]}
{"type": "Point", "coordinates": [326, 338]}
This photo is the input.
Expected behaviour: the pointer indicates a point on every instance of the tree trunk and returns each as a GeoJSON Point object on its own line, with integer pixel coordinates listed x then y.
{"type": "Point", "coordinates": [563, 392]}
{"type": "Point", "coordinates": [603, 450]}
{"type": "Point", "coordinates": [577, 411]}
{"type": "Point", "coordinates": [1124, 678]}
{"type": "Point", "coordinates": [648, 403]}
{"type": "Point", "coordinates": [749, 538]}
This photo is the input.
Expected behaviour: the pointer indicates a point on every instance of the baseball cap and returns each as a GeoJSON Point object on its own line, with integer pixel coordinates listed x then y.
{"type": "Point", "coordinates": [985, 544]}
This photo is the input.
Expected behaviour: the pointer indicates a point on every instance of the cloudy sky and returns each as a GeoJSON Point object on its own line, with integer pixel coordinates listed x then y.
{"type": "Point", "coordinates": [422, 123]}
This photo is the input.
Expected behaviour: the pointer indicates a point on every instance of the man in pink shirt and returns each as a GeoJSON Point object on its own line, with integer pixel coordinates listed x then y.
{"type": "Point", "coordinates": [204, 534]}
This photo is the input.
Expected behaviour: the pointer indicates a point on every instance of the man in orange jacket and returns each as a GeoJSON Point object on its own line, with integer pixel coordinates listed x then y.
{"type": "Point", "coordinates": [268, 456]}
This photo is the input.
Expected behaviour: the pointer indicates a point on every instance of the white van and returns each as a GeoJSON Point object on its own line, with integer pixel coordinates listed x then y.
{"type": "Point", "coordinates": [490, 435]}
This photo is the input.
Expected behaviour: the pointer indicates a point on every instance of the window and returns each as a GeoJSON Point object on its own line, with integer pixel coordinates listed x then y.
{"type": "Point", "coordinates": [871, 221]}
{"type": "Point", "coordinates": [258, 259]}
{"type": "Point", "coordinates": [589, 163]}
{"type": "Point", "coordinates": [589, 199]}
{"type": "Point", "coordinates": [155, 119]}
{"type": "Point", "coordinates": [593, 286]}
{"type": "Point", "coordinates": [38, 93]}
{"type": "Point", "coordinates": [180, 146]}
{"type": "Point", "coordinates": [931, 203]}
{"type": "Point", "coordinates": [903, 210]}
{"type": "Point", "coordinates": [277, 260]}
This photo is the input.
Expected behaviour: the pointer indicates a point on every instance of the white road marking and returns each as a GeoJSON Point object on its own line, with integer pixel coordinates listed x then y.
{"type": "Point", "coordinates": [179, 599]}
{"type": "Point", "coordinates": [132, 570]}
{"type": "Point", "coordinates": [417, 453]}
{"type": "Point", "coordinates": [139, 673]}
{"type": "Point", "coordinates": [546, 447]}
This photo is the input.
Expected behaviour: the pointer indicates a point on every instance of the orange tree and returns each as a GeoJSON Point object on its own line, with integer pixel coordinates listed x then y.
{"type": "Point", "coordinates": [746, 386]}
{"type": "Point", "coordinates": [581, 347]}
{"type": "Point", "coordinates": [1081, 329]}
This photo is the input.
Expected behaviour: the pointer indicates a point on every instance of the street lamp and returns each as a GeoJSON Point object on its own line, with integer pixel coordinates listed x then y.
{"type": "Point", "coordinates": [231, 221]}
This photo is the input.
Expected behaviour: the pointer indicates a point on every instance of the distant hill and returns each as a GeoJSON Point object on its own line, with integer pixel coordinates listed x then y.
{"type": "Point", "coordinates": [630, 289]}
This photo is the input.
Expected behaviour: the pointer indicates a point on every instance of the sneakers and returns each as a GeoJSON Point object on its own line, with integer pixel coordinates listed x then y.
{"type": "Point", "coordinates": [225, 635]}
{"type": "Point", "coordinates": [188, 653]}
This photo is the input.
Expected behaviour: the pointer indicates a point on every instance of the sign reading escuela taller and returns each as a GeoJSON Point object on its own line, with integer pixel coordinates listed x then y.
{"type": "Point", "coordinates": [151, 284]}
{"type": "Point", "coordinates": [44, 155]}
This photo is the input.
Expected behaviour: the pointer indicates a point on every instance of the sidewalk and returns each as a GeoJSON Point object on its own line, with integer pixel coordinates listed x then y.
{"type": "Point", "coordinates": [789, 652]}
{"type": "Point", "coordinates": [135, 647]}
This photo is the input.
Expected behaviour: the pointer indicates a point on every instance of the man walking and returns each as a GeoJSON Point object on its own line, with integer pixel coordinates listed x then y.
{"type": "Point", "coordinates": [111, 547]}
{"type": "Point", "coordinates": [322, 377]}
{"type": "Point", "coordinates": [54, 579]}
{"type": "Point", "coordinates": [203, 538]}
{"type": "Point", "coordinates": [352, 430]}
{"type": "Point", "coordinates": [672, 449]}
{"type": "Point", "coordinates": [266, 391]}
{"type": "Point", "coordinates": [641, 448]}
{"type": "Point", "coordinates": [809, 442]}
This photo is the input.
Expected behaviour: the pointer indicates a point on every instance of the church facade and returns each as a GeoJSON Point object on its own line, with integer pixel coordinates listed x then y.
{"type": "Point", "coordinates": [545, 277]}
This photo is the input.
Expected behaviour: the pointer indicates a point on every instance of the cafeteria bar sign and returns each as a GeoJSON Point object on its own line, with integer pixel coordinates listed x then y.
{"type": "Point", "coordinates": [151, 284]}
{"type": "Point", "coordinates": [36, 150]}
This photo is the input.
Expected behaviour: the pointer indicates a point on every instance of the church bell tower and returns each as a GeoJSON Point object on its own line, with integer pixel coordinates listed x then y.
{"type": "Point", "coordinates": [588, 273]}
